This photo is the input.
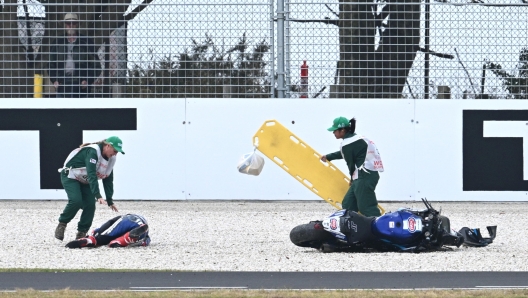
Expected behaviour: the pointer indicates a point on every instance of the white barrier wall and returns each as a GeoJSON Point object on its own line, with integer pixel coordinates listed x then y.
{"type": "Point", "coordinates": [189, 148]}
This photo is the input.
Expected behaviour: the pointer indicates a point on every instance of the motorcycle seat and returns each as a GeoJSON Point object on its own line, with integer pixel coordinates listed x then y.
{"type": "Point", "coordinates": [357, 227]}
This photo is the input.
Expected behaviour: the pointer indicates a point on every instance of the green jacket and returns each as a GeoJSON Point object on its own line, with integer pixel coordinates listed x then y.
{"type": "Point", "coordinates": [81, 160]}
{"type": "Point", "coordinates": [355, 154]}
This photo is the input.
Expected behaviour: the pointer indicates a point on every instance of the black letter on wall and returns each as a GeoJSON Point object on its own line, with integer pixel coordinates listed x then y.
{"type": "Point", "coordinates": [492, 164]}
{"type": "Point", "coordinates": [55, 141]}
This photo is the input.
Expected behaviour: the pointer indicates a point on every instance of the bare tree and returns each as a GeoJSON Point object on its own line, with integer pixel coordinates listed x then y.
{"type": "Point", "coordinates": [378, 44]}
{"type": "Point", "coordinates": [378, 41]}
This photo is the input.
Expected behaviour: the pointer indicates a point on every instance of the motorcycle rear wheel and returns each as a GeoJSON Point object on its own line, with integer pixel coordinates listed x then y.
{"type": "Point", "coordinates": [310, 235]}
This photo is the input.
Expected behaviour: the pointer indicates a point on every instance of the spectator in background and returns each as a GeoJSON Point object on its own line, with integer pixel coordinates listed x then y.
{"type": "Point", "coordinates": [73, 62]}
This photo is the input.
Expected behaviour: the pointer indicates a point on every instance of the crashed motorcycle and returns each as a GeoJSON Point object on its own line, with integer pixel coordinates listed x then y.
{"type": "Point", "coordinates": [413, 230]}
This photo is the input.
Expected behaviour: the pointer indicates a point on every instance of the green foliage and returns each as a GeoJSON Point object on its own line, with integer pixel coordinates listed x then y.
{"type": "Point", "coordinates": [517, 86]}
{"type": "Point", "coordinates": [203, 71]}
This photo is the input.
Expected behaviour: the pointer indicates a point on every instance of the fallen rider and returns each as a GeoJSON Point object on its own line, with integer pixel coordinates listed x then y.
{"type": "Point", "coordinates": [120, 231]}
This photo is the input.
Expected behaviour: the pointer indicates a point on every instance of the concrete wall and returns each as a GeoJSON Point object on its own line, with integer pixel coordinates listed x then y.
{"type": "Point", "coordinates": [189, 148]}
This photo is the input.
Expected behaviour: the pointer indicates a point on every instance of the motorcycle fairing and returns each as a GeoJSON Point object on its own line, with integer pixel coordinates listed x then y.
{"type": "Point", "coordinates": [397, 246]}
{"type": "Point", "coordinates": [473, 237]}
{"type": "Point", "coordinates": [332, 225]}
{"type": "Point", "coordinates": [398, 227]}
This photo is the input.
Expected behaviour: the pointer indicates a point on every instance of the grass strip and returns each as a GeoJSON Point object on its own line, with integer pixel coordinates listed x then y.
{"type": "Point", "coordinates": [273, 293]}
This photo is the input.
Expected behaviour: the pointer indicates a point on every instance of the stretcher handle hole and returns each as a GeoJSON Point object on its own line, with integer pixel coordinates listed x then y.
{"type": "Point", "coordinates": [294, 139]}
{"type": "Point", "coordinates": [270, 123]}
{"type": "Point", "coordinates": [325, 163]}
{"type": "Point", "coordinates": [278, 160]}
{"type": "Point", "coordinates": [308, 183]}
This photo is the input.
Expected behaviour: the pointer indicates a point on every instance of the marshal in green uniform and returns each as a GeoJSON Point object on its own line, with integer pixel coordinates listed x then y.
{"type": "Point", "coordinates": [364, 165]}
{"type": "Point", "coordinates": [79, 176]}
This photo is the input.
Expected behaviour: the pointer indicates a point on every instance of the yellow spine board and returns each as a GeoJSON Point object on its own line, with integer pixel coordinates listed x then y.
{"type": "Point", "coordinates": [302, 162]}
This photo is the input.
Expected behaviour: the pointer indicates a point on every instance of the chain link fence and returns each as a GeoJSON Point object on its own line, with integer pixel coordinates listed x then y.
{"type": "Point", "coordinates": [458, 49]}
{"type": "Point", "coordinates": [161, 48]}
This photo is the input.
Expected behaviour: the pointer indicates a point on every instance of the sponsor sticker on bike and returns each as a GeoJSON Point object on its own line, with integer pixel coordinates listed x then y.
{"type": "Point", "coordinates": [333, 223]}
{"type": "Point", "coordinates": [412, 224]}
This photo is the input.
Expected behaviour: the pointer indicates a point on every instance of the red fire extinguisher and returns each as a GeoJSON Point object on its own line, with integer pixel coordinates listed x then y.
{"type": "Point", "coordinates": [304, 81]}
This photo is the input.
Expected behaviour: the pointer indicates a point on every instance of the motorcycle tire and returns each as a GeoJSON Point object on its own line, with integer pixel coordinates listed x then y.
{"type": "Point", "coordinates": [310, 235]}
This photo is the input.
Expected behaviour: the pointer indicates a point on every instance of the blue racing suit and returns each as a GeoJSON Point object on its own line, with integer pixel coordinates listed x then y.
{"type": "Point", "coordinates": [125, 230]}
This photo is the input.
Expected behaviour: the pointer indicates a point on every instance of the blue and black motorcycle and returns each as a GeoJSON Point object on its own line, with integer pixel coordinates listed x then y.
{"type": "Point", "coordinates": [404, 230]}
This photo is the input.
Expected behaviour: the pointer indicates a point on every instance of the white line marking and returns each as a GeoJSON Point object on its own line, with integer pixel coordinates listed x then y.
{"type": "Point", "coordinates": [207, 288]}
{"type": "Point", "coordinates": [508, 287]}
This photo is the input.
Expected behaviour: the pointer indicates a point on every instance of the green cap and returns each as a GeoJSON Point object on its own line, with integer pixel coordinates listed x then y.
{"type": "Point", "coordinates": [116, 143]}
{"type": "Point", "coordinates": [339, 122]}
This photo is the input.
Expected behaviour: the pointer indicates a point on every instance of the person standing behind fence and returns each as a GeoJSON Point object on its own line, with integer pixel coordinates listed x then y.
{"type": "Point", "coordinates": [79, 176]}
{"type": "Point", "coordinates": [73, 62]}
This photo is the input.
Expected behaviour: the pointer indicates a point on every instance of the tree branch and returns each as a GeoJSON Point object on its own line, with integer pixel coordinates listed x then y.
{"type": "Point", "coordinates": [327, 21]}
{"type": "Point", "coordinates": [336, 14]}
{"type": "Point", "coordinates": [137, 10]}
{"type": "Point", "coordinates": [410, 90]}
{"type": "Point", "coordinates": [28, 36]}
{"type": "Point", "coordinates": [447, 56]}
{"type": "Point", "coordinates": [467, 73]}
{"type": "Point", "coordinates": [319, 93]}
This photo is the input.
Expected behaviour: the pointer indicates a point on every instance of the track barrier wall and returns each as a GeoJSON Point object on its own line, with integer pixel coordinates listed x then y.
{"type": "Point", "coordinates": [188, 149]}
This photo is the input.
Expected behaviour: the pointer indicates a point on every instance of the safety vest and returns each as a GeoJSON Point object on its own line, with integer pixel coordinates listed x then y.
{"type": "Point", "coordinates": [372, 159]}
{"type": "Point", "coordinates": [103, 167]}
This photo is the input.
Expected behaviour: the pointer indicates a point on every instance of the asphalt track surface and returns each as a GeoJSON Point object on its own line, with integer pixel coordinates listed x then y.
{"type": "Point", "coordinates": [162, 281]}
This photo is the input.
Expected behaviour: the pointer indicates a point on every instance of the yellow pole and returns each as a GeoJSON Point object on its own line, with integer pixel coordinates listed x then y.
{"type": "Point", "coordinates": [37, 88]}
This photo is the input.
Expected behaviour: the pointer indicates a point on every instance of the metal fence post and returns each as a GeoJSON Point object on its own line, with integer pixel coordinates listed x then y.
{"type": "Point", "coordinates": [426, 45]}
{"type": "Point", "coordinates": [280, 48]}
{"type": "Point", "coordinates": [272, 48]}
{"type": "Point", "coordinates": [287, 49]}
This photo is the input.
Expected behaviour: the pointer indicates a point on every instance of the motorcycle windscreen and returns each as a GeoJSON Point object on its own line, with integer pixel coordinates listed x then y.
{"type": "Point", "coordinates": [302, 162]}
{"type": "Point", "coordinates": [399, 227]}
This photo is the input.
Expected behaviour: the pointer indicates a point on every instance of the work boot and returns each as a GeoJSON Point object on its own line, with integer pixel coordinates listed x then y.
{"type": "Point", "coordinates": [59, 231]}
{"type": "Point", "coordinates": [80, 234]}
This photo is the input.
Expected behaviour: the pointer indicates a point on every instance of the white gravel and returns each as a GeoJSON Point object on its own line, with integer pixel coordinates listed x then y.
{"type": "Point", "coordinates": [249, 236]}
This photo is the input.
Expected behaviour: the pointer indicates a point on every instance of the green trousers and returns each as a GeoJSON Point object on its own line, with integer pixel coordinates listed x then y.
{"type": "Point", "coordinates": [79, 197]}
{"type": "Point", "coordinates": [361, 197]}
